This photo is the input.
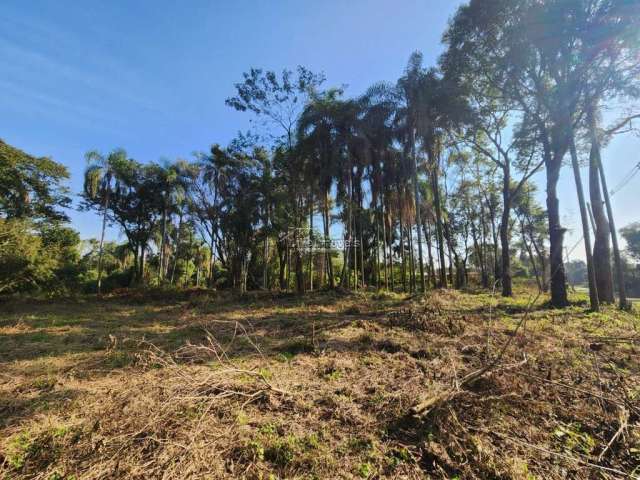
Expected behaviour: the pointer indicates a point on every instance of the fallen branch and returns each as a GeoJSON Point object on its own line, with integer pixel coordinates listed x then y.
{"type": "Point", "coordinates": [551, 452]}
{"type": "Point", "coordinates": [430, 403]}
{"type": "Point", "coordinates": [425, 406]}
{"type": "Point", "coordinates": [624, 422]}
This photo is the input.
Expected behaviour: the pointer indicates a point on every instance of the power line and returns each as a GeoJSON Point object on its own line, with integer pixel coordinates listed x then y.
{"type": "Point", "coordinates": [626, 179]}
{"type": "Point", "coordinates": [623, 183]}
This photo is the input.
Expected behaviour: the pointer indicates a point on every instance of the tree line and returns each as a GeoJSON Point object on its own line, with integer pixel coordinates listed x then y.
{"type": "Point", "coordinates": [426, 182]}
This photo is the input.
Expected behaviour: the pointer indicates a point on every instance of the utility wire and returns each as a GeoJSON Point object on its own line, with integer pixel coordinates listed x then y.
{"type": "Point", "coordinates": [623, 183]}
{"type": "Point", "coordinates": [626, 179]}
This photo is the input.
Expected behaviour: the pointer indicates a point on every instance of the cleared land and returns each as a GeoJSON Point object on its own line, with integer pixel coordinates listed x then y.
{"type": "Point", "coordinates": [213, 386]}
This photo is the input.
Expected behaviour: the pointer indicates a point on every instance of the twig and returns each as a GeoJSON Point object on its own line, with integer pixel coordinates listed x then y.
{"type": "Point", "coordinates": [557, 454]}
{"type": "Point", "coordinates": [624, 419]}
{"type": "Point", "coordinates": [425, 406]}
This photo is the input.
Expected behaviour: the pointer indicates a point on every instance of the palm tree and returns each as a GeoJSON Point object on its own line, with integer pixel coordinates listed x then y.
{"type": "Point", "coordinates": [319, 136]}
{"type": "Point", "coordinates": [411, 87]}
{"type": "Point", "coordinates": [98, 178]}
{"type": "Point", "coordinates": [170, 182]}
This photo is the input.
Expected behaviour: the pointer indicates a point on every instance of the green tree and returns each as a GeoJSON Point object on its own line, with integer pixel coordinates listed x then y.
{"type": "Point", "coordinates": [631, 235]}
{"type": "Point", "coordinates": [31, 187]}
{"type": "Point", "coordinates": [99, 178]}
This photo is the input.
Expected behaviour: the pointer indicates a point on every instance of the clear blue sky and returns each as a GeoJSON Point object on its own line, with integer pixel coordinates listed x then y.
{"type": "Point", "coordinates": [152, 76]}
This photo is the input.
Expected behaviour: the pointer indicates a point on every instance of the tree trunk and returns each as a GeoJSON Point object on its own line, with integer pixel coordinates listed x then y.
{"type": "Point", "coordinates": [412, 263]}
{"type": "Point", "coordinates": [175, 259]}
{"type": "Point", "coordinates": [593, 292]}
{"type": "Point", "coordinates": [432, 270]}
{"type": "Point", "coordinates": [416, 194]}
{"type": "Point", "coordinates": [556, 237]}
{"type": "Point", "coordinates": [311, 242]}
{"type": "Point", "coordinates": [611, 224]}
{"type": "Point", "coordinates": [142, 258]}
{"type": "Point", "coordinates": [282, 264]}
{"type": "Point", "coordinates": [361, 243]}
{"type": "Point", "coordinates": [438, 208]}
{"type": "Point", "coordinates": [327, 241]}
{"type": "Point", "coordinates": [384, 245]}
{"type": "Point", "coordinates": [601, 242]}
{"type": "Point", "coordinates": [377, 256]}
{"type": "Point", "coordinates": [532, 259]}
{"type": "Point", "coordinates": [494, 235]}
{"type": "Point", "coordinates": [104, 227]}
{"type": "Point", "coordinates": [265, 254]}
{"type": "Point", "coordinates": [212, 264]}
{"type": "Point", "coordinates": [162, 240]}
{"type": "Point", "coordinates": [507, 290]}
{"type": "Point", "coordinates": [622, 289]}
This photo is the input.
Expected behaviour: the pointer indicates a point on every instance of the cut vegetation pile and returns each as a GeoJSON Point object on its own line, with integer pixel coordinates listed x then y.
{"type": "Point", "coordinates": [453, 385]}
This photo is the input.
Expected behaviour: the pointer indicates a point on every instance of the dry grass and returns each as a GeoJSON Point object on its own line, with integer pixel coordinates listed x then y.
{"type": "Point", "coordinates": [316, 387]}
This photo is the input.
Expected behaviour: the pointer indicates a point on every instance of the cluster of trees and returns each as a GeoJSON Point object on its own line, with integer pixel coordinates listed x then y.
{"type": "Point", "coordinates": [427, 181]}
{"type": "Point", "coordinates": [37, 247]}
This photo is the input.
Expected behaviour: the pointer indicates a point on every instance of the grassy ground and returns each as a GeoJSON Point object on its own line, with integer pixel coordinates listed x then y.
{"type": "Point", "coordinates": [275, 386]}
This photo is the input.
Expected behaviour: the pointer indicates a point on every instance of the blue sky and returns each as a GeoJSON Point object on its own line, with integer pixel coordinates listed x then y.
{"type": "Point", "coordinates": [152, 76]}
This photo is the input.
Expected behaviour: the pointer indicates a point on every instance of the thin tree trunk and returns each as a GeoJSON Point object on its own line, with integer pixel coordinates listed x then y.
{"type": "Point", "coordinates": [361, 243]}
{"type": "Point", "coordinates": [311, 242]}
{"type": "Point", "coordinates": [175, 259]}
{"type": "Point", "coordinates": [593, 292]}
{"type": "Point", "coordinates": [507, 290]}
{"type": "Point", "coordinates": [412, 264]}
{"type": "Point", "coordinates": [162, 241]}
{"type": "Point", "coordinates": [622, 289]}
{"type": "Point", "coordinates": [377, 256]}
{"type": "Point", "coordinates": [607, 200]}
{"type": "Point", "coordinates": [601, 241]}
{"type": "Point", "coordinates": [327, 241]}
{"type": "Point", "coordinates": [416, 194]}
{"type": "Point", "coordinates": [403, 269]}
{"type": "Point", "coordinates": [384, 245]}
{"type": "Point", "coordinates": [432, 270]}
{"type": "Point", "coordinates": [438, 208]}
{"type": "Point", "coordinates": [531, 257]}
{"type": "Point", "coordinates": [212, 264]}
{"type": "Point", "coordinates": [104, 227]}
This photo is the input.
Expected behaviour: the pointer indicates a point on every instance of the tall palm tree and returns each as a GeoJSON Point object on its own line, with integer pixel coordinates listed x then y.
{"type": "Point", "coordinates": [98, 178]}
{"type": "Point", "coordinates": [321, 131]}
{"type": "Point", "coordinates": [170, 182]}
{"type": "Point", "coordinates": [378, 107]}
{"type": "Point", "coordinates": [411, 87]}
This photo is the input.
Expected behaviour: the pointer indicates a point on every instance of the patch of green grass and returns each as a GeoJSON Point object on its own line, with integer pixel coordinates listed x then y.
{"type": "Point", "coordinates": [44, 383]}
{"type": "Point", "coordinates": [38, 447]}
{"type": "Point", "coordinates": [242, 418]}
{"type": "Point", "coordinates": [268, 429]}
{"type": "Point", "coordinates": [18, 449]}
{"type": "Point", "coordinates": [333, 375]}
{"type": "Point", "coordinates": [397, 456]}
{"type": "Point", "coordinates": [365, 470]}
{"type": "Point", "coordinates": [574, 438]}
{"type": "Point", "coordinates": [283, 450]}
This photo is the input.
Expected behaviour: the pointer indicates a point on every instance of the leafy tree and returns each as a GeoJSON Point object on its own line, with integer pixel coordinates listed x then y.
{"type": "Point", "coordinates": [31, 187]}
{"type": "Point", "coordinates": [38, 257]}
{"type": "Point", "coordinates": [98, 182]}
{"type": "Point", "coordinates": [279, 100]}
{"type": "Point", "coordinates": [577, 272]}
{"type": "Point", "coordinates": [135, 203]}
{"type": "Point", "coordinates": [631, 235]}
